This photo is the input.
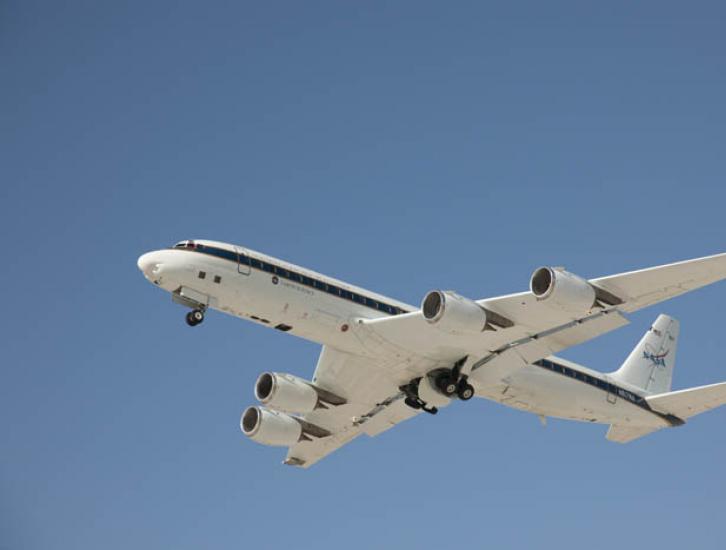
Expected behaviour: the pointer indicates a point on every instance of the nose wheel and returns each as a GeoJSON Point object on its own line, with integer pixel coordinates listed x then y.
{"type": "Point", "coordinates": [195, 317]}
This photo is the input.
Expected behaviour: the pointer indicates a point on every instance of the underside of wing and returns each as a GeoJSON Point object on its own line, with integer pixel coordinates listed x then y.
{"type": "Point", "coordinates": [372, 405]}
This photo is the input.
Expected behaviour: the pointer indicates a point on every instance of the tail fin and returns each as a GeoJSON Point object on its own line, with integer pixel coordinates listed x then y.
{"type": "Point", "coordinates": [650, 365]}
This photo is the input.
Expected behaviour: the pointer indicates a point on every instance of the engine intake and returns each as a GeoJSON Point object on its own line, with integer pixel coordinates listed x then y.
{"type": "Point", "coordinates": [563, 290]}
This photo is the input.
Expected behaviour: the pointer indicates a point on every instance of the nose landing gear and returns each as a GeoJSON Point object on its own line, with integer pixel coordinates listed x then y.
{"type": "Point", "coordinates": [195, 317]}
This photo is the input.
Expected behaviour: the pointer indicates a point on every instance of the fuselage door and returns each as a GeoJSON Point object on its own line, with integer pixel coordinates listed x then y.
{"type": "Point", "coordinates": [243, 260]}
{"type": "Point", "coordinates": [612, 396]}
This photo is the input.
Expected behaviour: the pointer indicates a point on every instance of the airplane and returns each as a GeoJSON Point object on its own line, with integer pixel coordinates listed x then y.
{"type": "Point", "coordinates": [384, 361]}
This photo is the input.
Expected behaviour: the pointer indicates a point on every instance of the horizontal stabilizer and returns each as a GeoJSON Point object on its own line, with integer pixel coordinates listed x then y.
{"type": "Point", "coordinates": [626, 434]}
{"type": "Point", "coordinates": [687, 403]}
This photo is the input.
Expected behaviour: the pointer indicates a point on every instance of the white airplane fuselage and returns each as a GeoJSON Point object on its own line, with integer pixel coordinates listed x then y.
{"type": "Point", "coordinates": [268, 291]}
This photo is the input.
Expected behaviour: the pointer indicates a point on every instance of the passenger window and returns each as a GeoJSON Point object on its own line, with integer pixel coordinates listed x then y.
{"type": "Point", "coordinates": [202, 274]}
{"type": "Point", "coordinates": [217, 279]}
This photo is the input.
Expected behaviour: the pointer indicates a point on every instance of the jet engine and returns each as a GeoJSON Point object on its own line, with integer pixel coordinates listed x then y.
{"type": "Point", "coordinates": [270, 427]}
{"type": "Point", "coordinates": [448, 311]}
{"type": "Point", "coordinates": [285, 392]}
{"type": "Point", "coordinates": [277, 428]}
{"type": "Point", "coordinates": [563, 290]}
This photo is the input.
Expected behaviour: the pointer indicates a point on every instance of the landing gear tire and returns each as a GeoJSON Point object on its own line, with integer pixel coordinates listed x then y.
{"type": "Point", "coordinates": [446, 384]}
{"type": "Point", "coordinates": [195, 317]}
{"type": "Point", "coordinates": [465, 391]}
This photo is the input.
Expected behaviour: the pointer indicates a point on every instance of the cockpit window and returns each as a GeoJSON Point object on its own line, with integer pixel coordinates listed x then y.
{"type": "Point", "coordinates": [185, 244]}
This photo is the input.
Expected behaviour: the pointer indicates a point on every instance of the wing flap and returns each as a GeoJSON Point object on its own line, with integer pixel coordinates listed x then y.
{"type": "Point", "coordinates": [570, 334]}
{"type": "Point", "coordinates": [306, 453]}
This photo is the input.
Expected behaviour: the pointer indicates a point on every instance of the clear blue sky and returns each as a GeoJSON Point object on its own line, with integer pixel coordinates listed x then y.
{"type": "Point", "coordinates": [399, 146]}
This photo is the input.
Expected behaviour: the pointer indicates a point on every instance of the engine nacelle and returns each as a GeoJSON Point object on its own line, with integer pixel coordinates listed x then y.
{"type": "Point", "coordinates": [285, 392]}
{"type": "Point", "coordinates": [270, 427]}
{"type": "Point", "coordinates": [448, 311]}
{"type": "Point", "coordinates": [562, 290]}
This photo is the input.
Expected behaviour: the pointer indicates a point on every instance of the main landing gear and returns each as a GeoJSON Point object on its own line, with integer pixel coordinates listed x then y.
{"type": "Point", "coordinates": [448, 383]}
{"type": "Point", "coordinates": [425, 392]}
{"type": "Point", "coordinates": [195, 317]}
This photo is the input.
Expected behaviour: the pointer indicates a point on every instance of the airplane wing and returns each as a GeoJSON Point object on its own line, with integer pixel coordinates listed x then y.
{"type": "Point", "coordinates": [646, 287]}
{"type": "Point", "coordinates": [366, 386]}
{"type": "Point", "coordinates": [406, 346]}
{"type": "Point", "coordinates": [411, 335]}
{"type": "Point", "coordinates": [370, 388]}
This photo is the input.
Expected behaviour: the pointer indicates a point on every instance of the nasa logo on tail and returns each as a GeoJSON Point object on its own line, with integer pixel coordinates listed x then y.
{"type": "Point", "coordinates": [657, 359]}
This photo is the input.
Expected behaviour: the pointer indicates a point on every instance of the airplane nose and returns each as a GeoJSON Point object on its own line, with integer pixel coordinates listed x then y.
{"type": "Point", "coordinates": [147, 262]}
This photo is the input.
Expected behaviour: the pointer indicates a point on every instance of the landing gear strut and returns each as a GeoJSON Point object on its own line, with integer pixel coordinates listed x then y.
{"type": "Point", "coordinates": [195, 317]}
{"type": "Point", "coordinates": [464, 390]}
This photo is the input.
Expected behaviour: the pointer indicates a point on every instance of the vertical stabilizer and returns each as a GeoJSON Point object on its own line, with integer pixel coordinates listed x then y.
{"type": "Point", "coordinates": [650, 365]}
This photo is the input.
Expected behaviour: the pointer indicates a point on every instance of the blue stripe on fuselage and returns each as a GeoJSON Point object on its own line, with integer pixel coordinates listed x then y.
{"type": "Point", "coordinates": [305, 280]}
{"type": "Point", "coordinates": [606, 386]}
